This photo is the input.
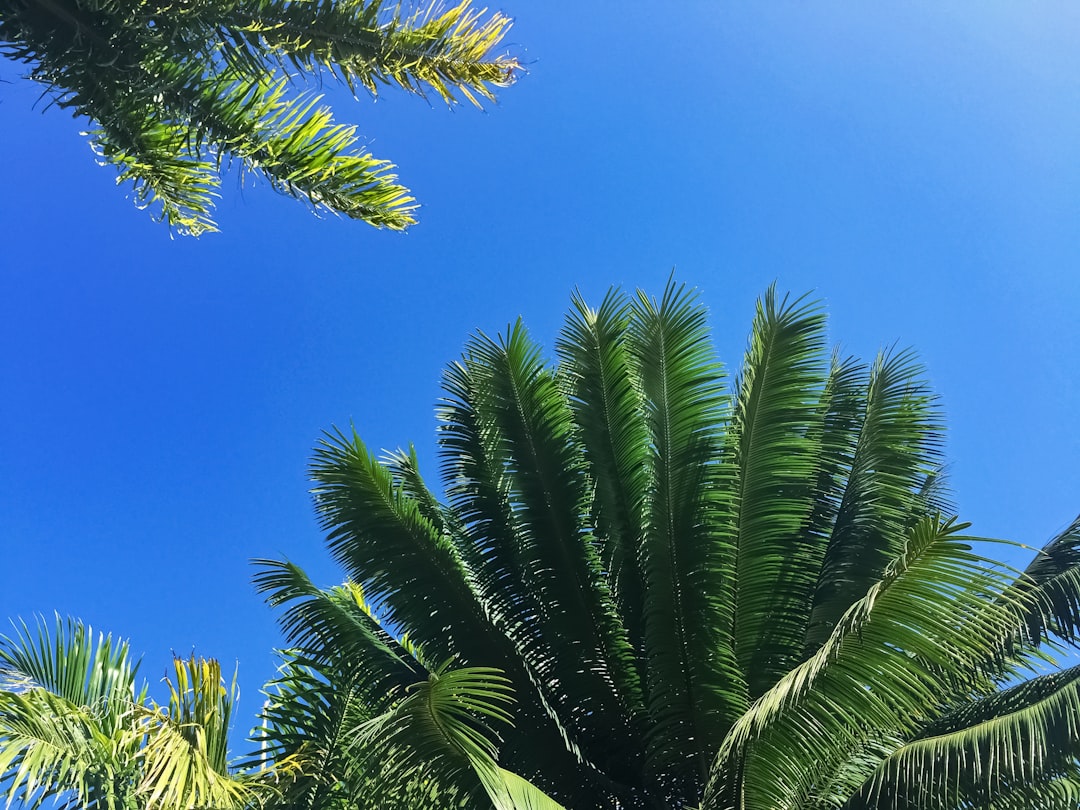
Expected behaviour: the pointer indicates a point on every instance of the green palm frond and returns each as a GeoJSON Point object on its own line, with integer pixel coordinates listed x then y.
{"type": "Point", "coordinates": [175, 90]}
{"type": "Point", "coordinates": [1025, 735]}
{"type": "Point", "coordinates": [835, 431]}
{"type": "Point", "coordinates": [574, 645]}
{"type": "Point", "coordinates": [343, 669]}
{"type": "Point", "coordinates": [53, 751]}
{"type": "Point", "coordinates": [472, 465]}
{"type": "Point", "coordinates": [775, 450]}
{"type": "Point", "coordinates": [291, 141]}
{"type": "Point", "coordinates": [70, 663]}
{"type": "Point", "coordinates": [509, 791]}
{"type": "Point", "coordinates": [443, 730]}
{"type": "Point", "coordinates": [336, 628]}
{"type": "Point", "coordinates": [930, 631]}
{"type": "Point", "coordinates": [895, 456]}
{"type": "Point", "coordinates": [297, 147]}
{"type": "Point", "coordinates": [68, 706]}
{"type": "Point", "coordinates": [484, 536]}
{"type": "Point", "coordinates": [1061, 793]}
{"type": "Point", "coordinates": [375, 527]}
{"type": "Point", "coordinates": [404, 467]}
{"type": "Point", "coordinates": [378, 43]}
{"type": "Point", "coordinates": [606, 400]}
{"type": "Point", "coordinates": [1054, 575]}
{"type": "Point", "coordinates": [695, 689]}
{"type": "Point", "coordinates": [307, 721]}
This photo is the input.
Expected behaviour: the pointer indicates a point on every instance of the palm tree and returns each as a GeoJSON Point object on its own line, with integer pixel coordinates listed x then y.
{"type": "Point", "coordinates": [736, 596]}
{"type": "Point", "coordinates": [175, 89]}
{"type": "Point", "coordinates": [77, 731]}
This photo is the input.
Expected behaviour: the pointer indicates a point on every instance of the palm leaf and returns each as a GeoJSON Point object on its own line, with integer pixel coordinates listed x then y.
{"type": "Point", "coordinates": [442, 729]}
{"type": "Point", "coordinates": [376, 530]}
{"type": "Point", "coordinates": [574, 644]}
{"type": "Point", "coordinates": [896, 454]}
{"type": "Point", "coordinates": [294, 144]}
{"type": "Point", "coordinates": [369, 44]}
{"type": "Point", "coordinates": [606, 402]}
{"type": "Point", "coordinates": [337, 629]}
{"type": "Point", "coordinates": [694, 688]}
{"type": "Point", "coordinates": [173, 89]}
{"type": "Point", "coordinates": [185, 762]}
{"type": "Point", "coordinates": [52, 750]}
{"type": "Point", "coordinates": [67, 717]}
{"type": "Point", "coordinates": [404, 468]}
{"type": "Point", "coordinates": [937, 626]}
{"type": "Point", "coordinates": [1061, 793]}
{"type": "Point", "coordinates": [1025, 735]}
{"type": "Point", "coordinates": [776, 448]}
{"type": "Point", "coordinates": [1054, 575]}
{"type": "Point", "coordinates": [308, 725]}
{"type": "Point", "coordinates": [70, 664]}
{"type": "Point", "coordinates": [509, 791]}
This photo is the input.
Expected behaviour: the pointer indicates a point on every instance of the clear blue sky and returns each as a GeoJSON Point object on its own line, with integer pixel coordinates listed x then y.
{"type": "Point", "coordinates": [915, 164]}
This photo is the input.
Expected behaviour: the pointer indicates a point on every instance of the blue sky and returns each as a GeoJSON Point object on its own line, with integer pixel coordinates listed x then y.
{"type": "Point", "coordinates": [917, 165]}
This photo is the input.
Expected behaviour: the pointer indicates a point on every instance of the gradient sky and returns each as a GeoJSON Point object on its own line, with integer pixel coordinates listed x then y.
{"type": "Point", "coordinates": [916, 165]}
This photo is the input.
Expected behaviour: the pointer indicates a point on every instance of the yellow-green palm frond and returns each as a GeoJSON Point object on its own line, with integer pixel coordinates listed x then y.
{"type": "Point", "coordinates": [185, 761]}
{"type": "Point", "coordinates": [174, 89]}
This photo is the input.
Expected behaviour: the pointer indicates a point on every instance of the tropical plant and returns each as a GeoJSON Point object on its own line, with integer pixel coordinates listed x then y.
{"type": "Point", "coordinates": [742, 596]}
{"type": "Point", "coordinates": [77, 731]}
{"type": "Point", "coordinates": [174, 89]}
{"type": "Point", "coordinates": [368, 722]}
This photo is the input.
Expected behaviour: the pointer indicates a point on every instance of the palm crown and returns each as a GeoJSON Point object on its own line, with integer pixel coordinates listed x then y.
{"type": "Point", "coordinates": [732, 597]}
{"type": "Point", "coordinates": [173, 89]}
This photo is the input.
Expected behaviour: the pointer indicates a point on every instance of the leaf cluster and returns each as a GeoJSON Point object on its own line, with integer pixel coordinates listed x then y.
{"type": "Point", "coordinates": [77, 731]}
{"type": "Point", "coordinates": [175, 89]}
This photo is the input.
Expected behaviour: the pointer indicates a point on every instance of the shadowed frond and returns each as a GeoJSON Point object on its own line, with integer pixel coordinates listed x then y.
{"type": "Point", "coordinates": [606, 400]}
{"type": "Point", "coordinates": [336, 628]}
{"type": "Point", "coordinates": [1061, 793]}
{"type": "Point", "coordinates": [442, 729]}
{"type": "Point", "coordinates": [1054, 575]}
{"type": "Point", "coordinates": [309, 723]}
{"type": "Point", "coordinates": [574, 644]}
{"type": "Point", "coordinates": [376, 527]}
{"type": "Point", "coordinates": [695, 690]}
{"type": "Point", "coordinates": [896, 455]}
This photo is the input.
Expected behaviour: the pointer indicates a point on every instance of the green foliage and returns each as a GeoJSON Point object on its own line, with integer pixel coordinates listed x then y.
{"type": "Point", "coordinates": [361, 720]}
{"type": "Point", "coordinates": [729, 597]}
{"type": "Point", "coordinates": [75, 731]}
{"type": "Point", "coordinates": [644, 589]}
{"type": "Point", "coordinates": [174, 89]}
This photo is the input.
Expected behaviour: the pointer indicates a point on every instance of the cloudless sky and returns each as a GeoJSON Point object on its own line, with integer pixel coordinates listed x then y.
{"type": "Point", "coordinates": [916, 165]}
